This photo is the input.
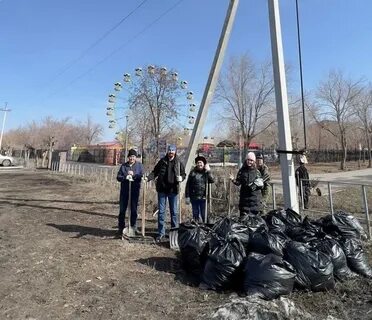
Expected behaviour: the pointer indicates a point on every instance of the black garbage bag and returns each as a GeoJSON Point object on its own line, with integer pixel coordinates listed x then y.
{"type": "Point", "coordinates": [306, 231]}
{"type": "Point", "coordinates": [231, 228]}
{"type": "Point", "coordinates": [265, 242]}
{"type": "Point", "coordinates": [193, 243]}
{"type": "Point", "coordinates": [289, 218]}
{"type": "Point", "coordinates": [314, 268]}
{"type": "Point", "coordinates": [356, 257]}
{"type": "Point", "coordinates": [292, 216]}
{"type": "Point", "coordinates": [253, 222]}
{"type": "Point", "coordinates": [224, 258]}
{"type": "Point", "coordinates": [343, 224]}
{"type": "Point", "coordinates": [274, 223]}
{"type": "Point", "coordinates": [267, 276]}
{"type": "Point", "coordinates": [334, 250]}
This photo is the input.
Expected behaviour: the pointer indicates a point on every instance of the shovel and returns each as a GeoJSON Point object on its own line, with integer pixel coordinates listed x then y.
{"type": "Point", "coordinates": [129, 231]}
{"type": "Point", "coordinates": [173, 232]}
{"type": "Point", "coordinates": [229, 199]}
{"type": "Point", "coordinates": [131, 235]}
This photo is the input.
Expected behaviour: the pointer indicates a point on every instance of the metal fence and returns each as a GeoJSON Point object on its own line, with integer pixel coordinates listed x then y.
{"type": "Point", "coordinates": [218, 155]}
{"type": "Point", "coordinates": [225, 195]}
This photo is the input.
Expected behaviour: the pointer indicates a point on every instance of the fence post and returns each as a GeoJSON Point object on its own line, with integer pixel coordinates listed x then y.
{"type": "Point", "coordinates": [330, 198]}
{"type": "Point", "coordinates": [364, 193]}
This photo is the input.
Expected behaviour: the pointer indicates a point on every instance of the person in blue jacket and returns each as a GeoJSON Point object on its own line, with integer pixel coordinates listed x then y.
{"type": "Point", "coordinates": [130, 170]}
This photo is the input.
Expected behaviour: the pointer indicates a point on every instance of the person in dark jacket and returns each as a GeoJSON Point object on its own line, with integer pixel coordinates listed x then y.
{"type": "Point", "coordinates": [170, 172]}
{"type": "Point", "coordinates": [196, 188]}
{"type": "Point", "coordinates": [130, 172]}
{"type": "Point", "coordinates": [265, 175]}
{"type": "Point", "coordinates": [250, 182]}
{"type": "Point", "coordinates": [303, 175]}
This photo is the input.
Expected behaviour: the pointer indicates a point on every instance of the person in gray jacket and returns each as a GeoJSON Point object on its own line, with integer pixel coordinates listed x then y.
{"type": "Point", "coordinates": [196, 188]}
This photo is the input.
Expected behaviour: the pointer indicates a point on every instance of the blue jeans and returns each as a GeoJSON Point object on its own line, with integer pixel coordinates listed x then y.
{"type": "Point", "coordinates": [198, 209]}
{"type": "Point", "coordinates": [173, 205]}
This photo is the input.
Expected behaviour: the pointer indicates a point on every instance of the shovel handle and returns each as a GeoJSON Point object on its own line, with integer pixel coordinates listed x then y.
{"type": "Point", "coordinates": [143, 210]}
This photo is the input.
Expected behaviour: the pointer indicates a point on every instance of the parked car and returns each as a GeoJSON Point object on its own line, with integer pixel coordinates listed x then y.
{"type": "Point", "coordinates": [7, 161]}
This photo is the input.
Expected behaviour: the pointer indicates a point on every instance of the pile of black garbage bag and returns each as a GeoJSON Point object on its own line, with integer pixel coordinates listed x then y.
{"type": "Point", "coordinates": [271, 255]}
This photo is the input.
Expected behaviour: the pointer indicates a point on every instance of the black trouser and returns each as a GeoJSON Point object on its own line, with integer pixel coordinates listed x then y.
{"type": "Point", "coordinates": [306, 191]}
{"type": "Point", "coordinates": [133, 207]}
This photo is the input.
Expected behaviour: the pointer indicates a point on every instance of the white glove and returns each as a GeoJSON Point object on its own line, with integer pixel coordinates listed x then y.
{"type": "Point", "coordinates": [207, 167]}
{"type": "Point", "coordinates": [259, 182]}
{"type": "Point", "coordinates": [129, 177]}
{"type": "Point", "coordinates": [231, 177]}
{"type": "Point", "coordinates": [145, 179]}
{"type": "Point", "coordinates": [187, 201]}
{"type": "Point", "coordinates": [179, 178]}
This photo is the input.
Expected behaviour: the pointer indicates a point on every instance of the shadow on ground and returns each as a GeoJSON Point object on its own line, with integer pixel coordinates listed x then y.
{"type": "Point", "coordinates": [173, 266]}
{"type": "Point", "coordinates": [83, 230]}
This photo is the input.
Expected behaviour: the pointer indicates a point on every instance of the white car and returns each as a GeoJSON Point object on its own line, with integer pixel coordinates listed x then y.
{"type": "Point", "coordinates": [6, 161]}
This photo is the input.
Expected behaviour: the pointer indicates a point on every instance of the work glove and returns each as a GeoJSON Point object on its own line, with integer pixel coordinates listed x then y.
{"type": "Point", "coordinates": [258, 182]}
{"type": "Point", "coordinates": [231, 177]}
{"type": "Point", "coordinates": [187, 201]}
{"type": "Point", "coordinates": [179, 179]}
{"type": "Point", "coordinates": [145, 179]}
{"type": "Point", "coordinates": [129, 178]}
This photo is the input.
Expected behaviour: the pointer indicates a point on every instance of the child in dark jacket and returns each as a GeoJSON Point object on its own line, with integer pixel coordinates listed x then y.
{"type": "Point", "coordinates": [196, 188]}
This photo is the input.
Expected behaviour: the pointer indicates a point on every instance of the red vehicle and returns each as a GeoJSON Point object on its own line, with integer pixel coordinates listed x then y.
{"type": "Point", "coordinates": [205, 147]}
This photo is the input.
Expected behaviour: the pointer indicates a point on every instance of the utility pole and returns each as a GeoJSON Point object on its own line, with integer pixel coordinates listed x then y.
{"type": "Point", "coordinates": [51, 143]}
{"type": "Point", "coordinates": [285, 143]}
{"type": "Point", "coordinates": [211, 84]}
{"type": "Point", "coordinates": [5, 109]}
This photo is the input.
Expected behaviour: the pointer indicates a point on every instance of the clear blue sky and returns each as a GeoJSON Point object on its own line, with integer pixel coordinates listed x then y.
{"type": "Point", "coordinates": [40, 39]}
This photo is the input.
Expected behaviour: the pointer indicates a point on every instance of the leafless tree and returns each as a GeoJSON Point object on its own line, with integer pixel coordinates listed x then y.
{"type": "Point", "coordinates": [245, 91]}
{"type": "Point", "coordinates": [337, 97]}
{"type": "Point", "coordinates": [37, 135]}
{"type": "Point", "coordinates": [90, 131]}
{"type": "Point", "coordinates": [156, 97]}
{"type": "Point", "coordinates": [364, 113]}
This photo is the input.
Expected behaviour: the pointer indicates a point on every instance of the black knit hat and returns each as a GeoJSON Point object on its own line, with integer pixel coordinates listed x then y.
{"type": "Point", "coordinates": [200, 158]}
{"type": "Point", "coordinates": [132, 152]}
{"type": "Point", "coordinates": [259, 156]}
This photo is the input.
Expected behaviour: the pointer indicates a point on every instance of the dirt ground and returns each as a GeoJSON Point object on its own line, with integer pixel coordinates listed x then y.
{"type": "Point", "coordinates": [59, 259]}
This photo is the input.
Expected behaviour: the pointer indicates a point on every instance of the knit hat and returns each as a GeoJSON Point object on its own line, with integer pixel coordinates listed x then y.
{"type": "Point", "coordinates": [251, 156]}
{"type": "Point", "coordinates": [132, 152]}
{"type": "Point", "coordinates": [172, 147]}
{"type": "Point", "coordinates": [201, 158]}
{"type": "Point", "coordinates": [259, 156]}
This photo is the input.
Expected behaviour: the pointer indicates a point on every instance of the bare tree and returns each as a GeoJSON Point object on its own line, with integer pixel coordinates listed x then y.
{"type": "Point", "coordinates": [155, 95]}
{"type": "Point", "coordinates": [364, 113]}
{"type": "Point", "coordinates": [38, 135]}
{"type": "Point", "coordinates": [90, 131]}
{"type": "Point", "coordinates": [246, 94]}
{"type": "Point", "coordinates": [337, 97]}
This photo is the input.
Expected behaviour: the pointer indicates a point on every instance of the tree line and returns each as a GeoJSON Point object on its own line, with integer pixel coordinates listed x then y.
{"type": "Point", "coordinates": [338, 112]}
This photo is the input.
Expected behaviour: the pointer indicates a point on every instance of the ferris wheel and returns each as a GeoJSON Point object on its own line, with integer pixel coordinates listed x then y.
{"type": "Point", "coordinates": [127, 95]}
